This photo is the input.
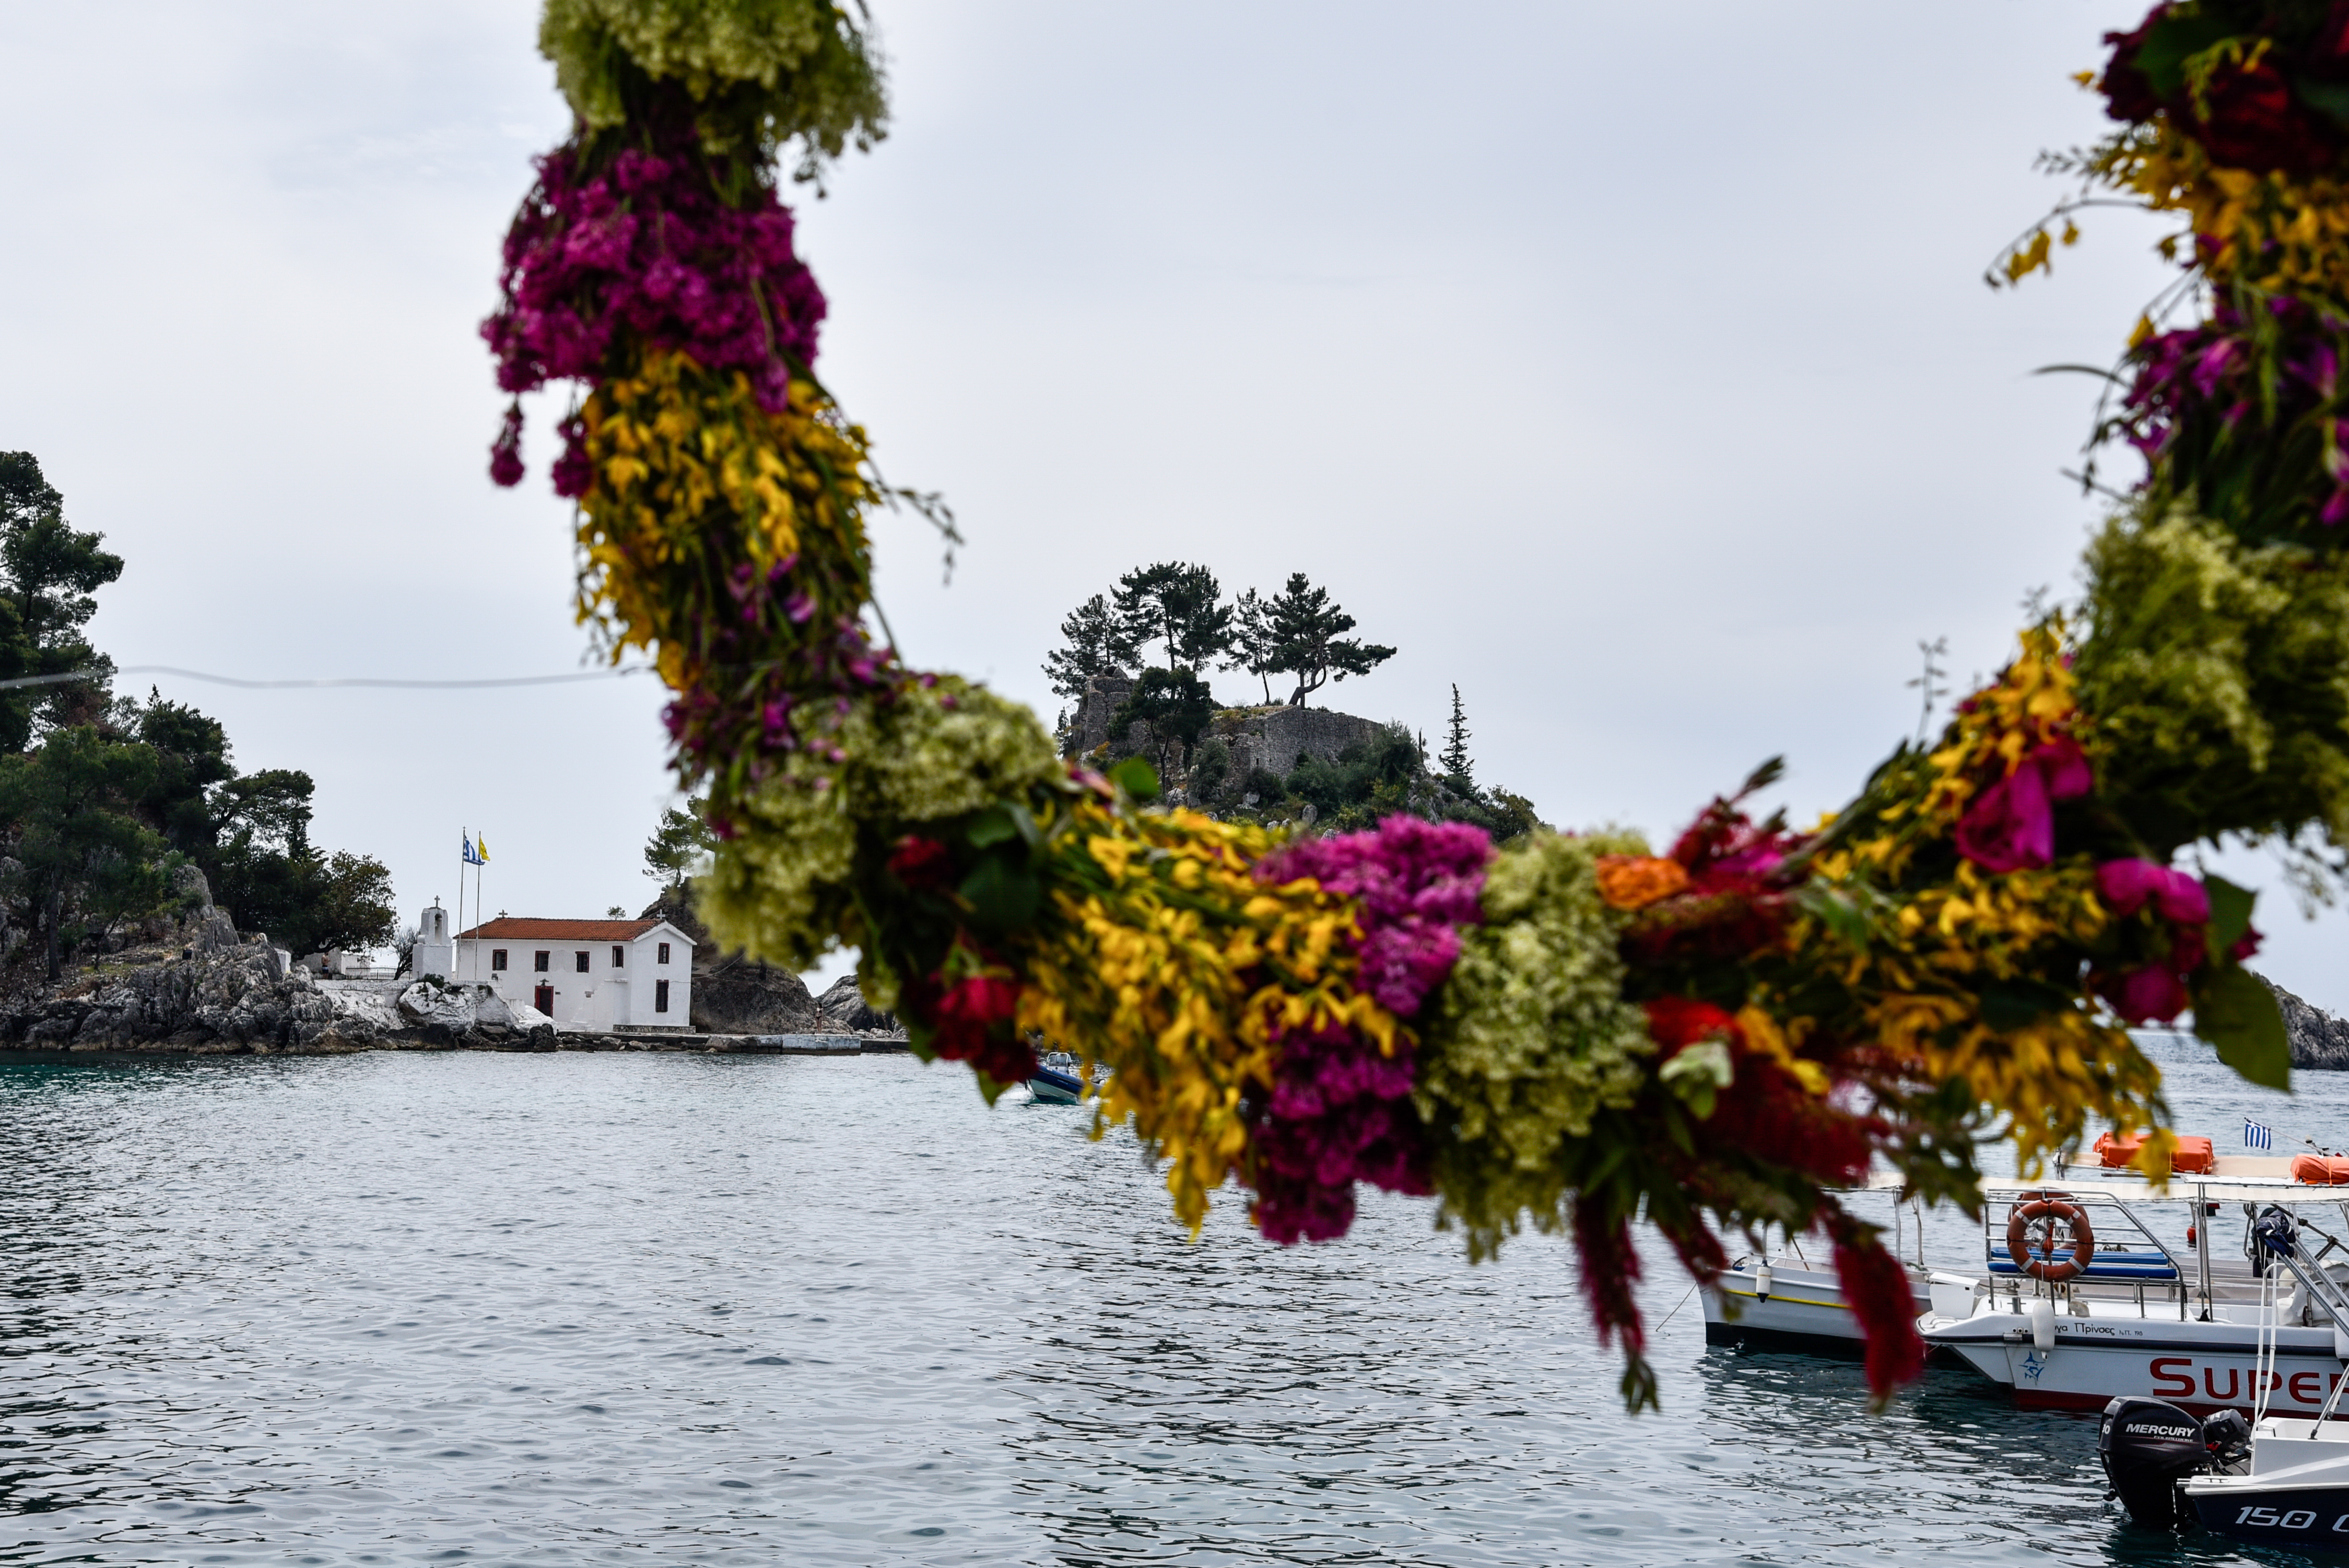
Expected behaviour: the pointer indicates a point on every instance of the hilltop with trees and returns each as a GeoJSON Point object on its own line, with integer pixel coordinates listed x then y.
{"type": "Point", "coordinates": [103, 799]}
{"type": "Point", "coordinates": [1170, 625]}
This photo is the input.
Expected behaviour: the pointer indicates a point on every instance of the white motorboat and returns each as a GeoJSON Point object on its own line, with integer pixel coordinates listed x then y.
{"type": "Point", "coordinates": [2126, 1317]}
{"type": "Point", "coordinates": [1778, 1301]}
{"type": "Point", "coordinates": [2125, 1314]}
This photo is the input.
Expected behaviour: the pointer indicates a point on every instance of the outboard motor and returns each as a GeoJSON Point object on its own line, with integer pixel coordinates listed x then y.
{"type": "Point", "coordinates": [2148, 1446]}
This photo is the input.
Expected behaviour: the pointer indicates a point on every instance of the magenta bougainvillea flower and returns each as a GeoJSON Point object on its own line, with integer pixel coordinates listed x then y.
{"type": "Point", "coordinates": [1339, 1112]}
{"type": "Point", "coordinates": [2155, 993]}
{"type": "Point", "coordinates": [2010, 826]}
{"type": "Point", "coordinates": [1417, 882]}
{"type": "Point", "coordinates": [640, 251]}
{"type": "Point", "coordinates": [2126, 886]}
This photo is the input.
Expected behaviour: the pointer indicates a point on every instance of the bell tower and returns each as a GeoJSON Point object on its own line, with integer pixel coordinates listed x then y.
{"type": "Point", "coordinates": [435, 952]}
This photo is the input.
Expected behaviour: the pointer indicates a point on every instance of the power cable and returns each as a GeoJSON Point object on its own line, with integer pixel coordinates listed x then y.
{"type": "Point", "coordinates": [94, 674]}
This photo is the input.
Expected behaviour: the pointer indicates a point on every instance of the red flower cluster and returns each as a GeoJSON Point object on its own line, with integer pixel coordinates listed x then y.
{"type": "Point", "coordinates": [970, 1021]}
{"type": "Point", "coordinates": [2264, 106]}
{"type": "Point", "coordinates": [1735, 902]}
{"type": "Point", "coordinates": [1876, 1287]}
{"type": "Point", "coordinates": [924, 865]}
{"type": "Point", "coordinates": [1767, 1115]}
{"type": "Point", "coordinates": [1764, 1113]}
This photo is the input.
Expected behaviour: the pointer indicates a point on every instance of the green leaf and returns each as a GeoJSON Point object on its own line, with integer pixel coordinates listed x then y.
{"type": "Point", "coordinates": [2018, 1002]}
{"type": "Point", "coordinates": [1136, 777]}
{"type": "Point", "coordinates": [2235, 1011]}
{"type": "Point", "coordinates": [2168, 45]}
{"type": "Point", "coordinates": [1698, 1074]}
{"type": "Point", "coordinates": [1843, 916]}
{"type": "Point", "coordinates": [2330, 99]}
{"type": "Point", "coordinates": [2230, 914]}
{"type": "Point", "coordinates": [992, 826]}
{"type": "Point", "coordinates": [1003, 896]}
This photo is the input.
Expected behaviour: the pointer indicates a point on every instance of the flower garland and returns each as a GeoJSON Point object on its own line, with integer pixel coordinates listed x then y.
{"type": "Point", "coordinates": [1570, 1032]}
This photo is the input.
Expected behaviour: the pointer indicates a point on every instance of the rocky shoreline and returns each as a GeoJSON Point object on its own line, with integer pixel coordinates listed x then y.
{"type": "Point", "coordinates": [220, 994]}
{"type": "Point", "coordinates": [2319, 1040]}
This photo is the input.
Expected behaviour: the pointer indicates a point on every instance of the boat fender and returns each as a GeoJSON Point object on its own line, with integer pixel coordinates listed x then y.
{"type": "Point", "coordinates": [1763, 1280]}
{"type": "Point", "coordinates": [2057, 1206]}
{"type": "Point", "coordinates": [2043, 1324]}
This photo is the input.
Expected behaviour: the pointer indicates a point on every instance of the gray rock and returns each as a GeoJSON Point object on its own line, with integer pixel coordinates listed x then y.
{"type": "Point", "coordinates": [739, 996]}
{"type": "Point", "coordinates": [428, 1005]}
{"type": "Point", "coordinates": [213, 932]}
{"type": "Point", "coordinates": [2319, 1040]}
{"type": "Point", "coordinates": [191, 892]}
{"type": "Point", "coordinates": [1090, 728]}
{"type": "Point", "coordinates": [845, 1008]}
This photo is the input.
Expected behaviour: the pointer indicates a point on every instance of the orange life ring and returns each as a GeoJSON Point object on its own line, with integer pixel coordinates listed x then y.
{"type": "Point", "coordinates": [2055, 1270]}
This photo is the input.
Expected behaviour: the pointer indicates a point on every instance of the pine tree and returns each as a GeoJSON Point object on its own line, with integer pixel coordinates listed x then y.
{"type": "Point", "coordinates": [1455, 756]}
{"type": "Point", "coordinates": [1307, 636]}
{"type": "Point", "coordinates": [680, 847]}
{"type": "Point", "coordinates": [1254, 648]}
{"type": "Point", "coordinates": [1178, 605]}
{"type": "Point", "coordinates": [1094, 643]}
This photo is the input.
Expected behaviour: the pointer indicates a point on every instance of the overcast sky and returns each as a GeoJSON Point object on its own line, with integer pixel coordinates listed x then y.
{"type": "Point", "coordinates": [1629, 366]}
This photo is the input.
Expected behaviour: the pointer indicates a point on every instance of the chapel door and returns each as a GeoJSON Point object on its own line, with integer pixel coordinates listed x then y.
{"type": "Point", "coordinates": [544, 1000]}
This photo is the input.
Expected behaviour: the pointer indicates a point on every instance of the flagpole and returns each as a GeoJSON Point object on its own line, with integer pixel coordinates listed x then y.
{"type": "Point", "coordinates": [480, 870]}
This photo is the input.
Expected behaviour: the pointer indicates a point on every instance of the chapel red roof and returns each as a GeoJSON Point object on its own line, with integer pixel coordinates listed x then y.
{"type": "Point", "coordinates": [510, 928]}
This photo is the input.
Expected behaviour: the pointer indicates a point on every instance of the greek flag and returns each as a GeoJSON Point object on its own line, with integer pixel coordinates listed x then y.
{"type": "Point", "coordinates": [2256, 1136]}
{"type": "Point", "coordinates": [474, 857]}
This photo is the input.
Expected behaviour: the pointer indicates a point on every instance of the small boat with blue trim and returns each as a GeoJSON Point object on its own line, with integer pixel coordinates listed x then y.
{"type": "Point", "coordinates": [1059, 1079]}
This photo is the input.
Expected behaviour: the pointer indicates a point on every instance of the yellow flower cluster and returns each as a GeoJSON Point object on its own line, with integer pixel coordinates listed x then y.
{"type": "Point", "coordinates": [693, 479]}
{"type": "Point", "coordinates": [2010, 935]}
{"type": "Point", "coordinates": [1165, 958]}
{"type": "Point", "coordinates": [2279, 232]}
{"type": "Point", "coordinates": [2032, 704]}
{"type": "Point", "coordinates": [1977, 974]}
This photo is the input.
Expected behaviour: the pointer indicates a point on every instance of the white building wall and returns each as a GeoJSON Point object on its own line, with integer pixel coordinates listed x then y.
{"type": "Point", "coordinates": [605, 996]}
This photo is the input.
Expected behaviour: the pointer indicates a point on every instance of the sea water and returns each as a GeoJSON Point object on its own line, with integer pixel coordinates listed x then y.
{"type": "Point", "coordinates": [410, 1308]}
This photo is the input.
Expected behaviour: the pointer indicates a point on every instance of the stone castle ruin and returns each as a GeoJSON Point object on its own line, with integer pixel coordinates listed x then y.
{"type": "Point", "coordinates": [1270, 739]}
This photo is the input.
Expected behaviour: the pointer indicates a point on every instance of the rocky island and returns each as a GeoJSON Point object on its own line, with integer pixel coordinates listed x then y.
{"type": "Point", "coordinates": [194, 985]}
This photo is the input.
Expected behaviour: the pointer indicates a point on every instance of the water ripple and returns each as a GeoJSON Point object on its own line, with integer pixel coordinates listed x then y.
{"type": "Point", "coordinates": [588, 1309]}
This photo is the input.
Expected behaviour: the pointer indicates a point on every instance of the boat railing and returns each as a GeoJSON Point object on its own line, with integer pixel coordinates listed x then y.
{"type": "Point", "coordinates": [2136, 1256]}
{"type": "Point", "coordinates": [2277, 1232]}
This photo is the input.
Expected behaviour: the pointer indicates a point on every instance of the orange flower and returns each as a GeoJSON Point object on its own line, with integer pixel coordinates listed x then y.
{"type": "Point", "coordinates": [1635, 882]}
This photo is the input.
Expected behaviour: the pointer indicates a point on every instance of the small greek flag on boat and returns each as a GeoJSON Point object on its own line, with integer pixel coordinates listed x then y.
{"type": "Point", "coordinates": [2256, 1136]}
